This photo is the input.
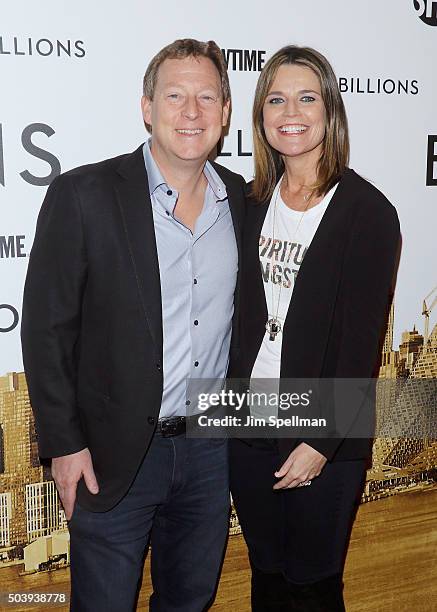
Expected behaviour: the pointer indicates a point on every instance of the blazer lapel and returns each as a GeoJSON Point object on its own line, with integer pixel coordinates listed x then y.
{"type": "Point", "coordinates": [236, 203]}
{"type": "Point", "coordinates": [136, 211]}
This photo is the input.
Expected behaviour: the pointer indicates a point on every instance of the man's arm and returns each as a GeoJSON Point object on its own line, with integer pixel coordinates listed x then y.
{"type": "Point", "coordinates": [50, 331]}
{"type": "Point", "coordinates": [51, 319]}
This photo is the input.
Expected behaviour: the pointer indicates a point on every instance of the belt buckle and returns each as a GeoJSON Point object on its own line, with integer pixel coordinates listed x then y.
{"type": "Point", "coordinates": [169, 427]}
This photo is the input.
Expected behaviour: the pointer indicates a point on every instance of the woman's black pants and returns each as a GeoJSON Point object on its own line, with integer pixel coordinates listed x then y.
{"type": "Point", "coordinates": [297, 538]}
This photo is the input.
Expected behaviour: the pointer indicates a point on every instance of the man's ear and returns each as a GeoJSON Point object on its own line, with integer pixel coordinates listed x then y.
{"type": "Point", "coordinates": [146, 107]}
{"type": "Point", "coordinates": [225, 114]}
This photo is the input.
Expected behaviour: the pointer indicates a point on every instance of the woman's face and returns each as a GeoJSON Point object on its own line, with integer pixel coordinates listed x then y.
{"type": "Point", "coordinates": [294, 113]}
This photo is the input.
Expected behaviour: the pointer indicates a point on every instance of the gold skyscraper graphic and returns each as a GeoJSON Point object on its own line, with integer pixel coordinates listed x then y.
{"type": "Point", "coordinates": [29, 504]}
{"type": "Point", "coordinates": [407, 403]}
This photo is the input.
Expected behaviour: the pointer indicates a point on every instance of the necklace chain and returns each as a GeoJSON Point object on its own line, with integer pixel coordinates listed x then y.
{"type": "Point", "coordinates": [273, 325]}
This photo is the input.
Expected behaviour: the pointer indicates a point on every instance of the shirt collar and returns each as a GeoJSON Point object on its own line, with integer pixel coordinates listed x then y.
{"type": "Point", "coordinates": [156, 179]}
{"type": "Point", "coordinates": [154, 175]}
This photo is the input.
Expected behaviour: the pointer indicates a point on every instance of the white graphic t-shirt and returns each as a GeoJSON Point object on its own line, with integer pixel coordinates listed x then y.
{"type": "Point", "coordinates": [281, 252]}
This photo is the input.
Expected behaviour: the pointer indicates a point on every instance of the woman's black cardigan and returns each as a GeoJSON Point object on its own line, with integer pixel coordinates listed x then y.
{"type": "Point", "coordinates": [338, 311]}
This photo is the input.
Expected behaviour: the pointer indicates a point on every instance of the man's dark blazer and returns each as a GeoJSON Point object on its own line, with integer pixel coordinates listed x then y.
{"type": "Point", "coordinates": [339, 303]}
{"type": "Point", "coordinates": [92, 319]}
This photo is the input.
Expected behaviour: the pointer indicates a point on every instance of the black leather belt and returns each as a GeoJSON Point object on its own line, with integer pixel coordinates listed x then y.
{"type": "Point", "coordinates": [171, 426]}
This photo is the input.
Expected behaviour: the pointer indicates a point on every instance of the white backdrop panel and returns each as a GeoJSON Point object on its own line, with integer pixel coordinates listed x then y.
{"type": "Point", "coordinates": [91, 103]}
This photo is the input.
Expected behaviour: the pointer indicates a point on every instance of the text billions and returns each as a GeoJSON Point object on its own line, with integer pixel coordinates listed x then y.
{"type": "Point", "coordinates": [42, 47]}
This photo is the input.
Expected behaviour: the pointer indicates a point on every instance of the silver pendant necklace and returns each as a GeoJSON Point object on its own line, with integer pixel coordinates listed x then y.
{"type": "Point", "coordinates": [273, 325]}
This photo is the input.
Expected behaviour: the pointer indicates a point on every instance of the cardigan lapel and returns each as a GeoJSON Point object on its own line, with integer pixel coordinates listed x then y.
{"type": "Point", "coordinates": [136, 211]}
{"type": "Point", "coordinates": [333, 219]}
{"type": "Point", "coordinates": [309, 315]}
{"type": "Point", "coordinates": [251, 240]}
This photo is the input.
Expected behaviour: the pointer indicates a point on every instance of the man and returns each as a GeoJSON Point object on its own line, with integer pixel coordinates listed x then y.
{"type": "Point", "coordinates": [129, 295]}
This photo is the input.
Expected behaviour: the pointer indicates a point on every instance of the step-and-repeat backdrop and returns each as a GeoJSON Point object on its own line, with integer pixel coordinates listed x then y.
{"type": "Point", "coordinates": [71, 76]}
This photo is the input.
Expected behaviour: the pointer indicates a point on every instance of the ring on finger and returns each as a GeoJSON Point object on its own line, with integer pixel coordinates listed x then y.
{"type": "Point", "coordinates": [304, 484]}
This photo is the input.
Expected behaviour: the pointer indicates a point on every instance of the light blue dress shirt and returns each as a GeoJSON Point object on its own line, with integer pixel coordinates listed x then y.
{"type": "Point", "coordinates": [198, 272]}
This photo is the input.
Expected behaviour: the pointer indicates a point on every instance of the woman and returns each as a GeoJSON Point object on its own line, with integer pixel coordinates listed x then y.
{"type": "Point", "coordinates": [328, 239]}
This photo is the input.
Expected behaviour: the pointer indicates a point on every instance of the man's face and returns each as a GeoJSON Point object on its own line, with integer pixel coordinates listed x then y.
{"type": "Point", "coordinates": [187, 112]}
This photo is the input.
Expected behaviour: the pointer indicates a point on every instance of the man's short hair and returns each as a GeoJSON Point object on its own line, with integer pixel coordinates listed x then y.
{"type": "Point", "coordinates": [180, 49]}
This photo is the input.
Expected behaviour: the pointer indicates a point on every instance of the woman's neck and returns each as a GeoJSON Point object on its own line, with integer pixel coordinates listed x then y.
{"type": "Point", "coordinates": [300, 174]}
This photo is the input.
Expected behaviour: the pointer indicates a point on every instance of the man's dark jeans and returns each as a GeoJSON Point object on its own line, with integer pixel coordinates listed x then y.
{"type": "Point", "coordinates": [179, 502]}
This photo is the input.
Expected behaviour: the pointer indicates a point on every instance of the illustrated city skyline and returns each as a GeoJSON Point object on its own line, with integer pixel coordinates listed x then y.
{"type": "Point", "coordinates": [33, 528]}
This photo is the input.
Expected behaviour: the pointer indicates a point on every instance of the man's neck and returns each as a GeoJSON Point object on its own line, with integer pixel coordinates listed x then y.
{"type": "Point", "coordinates": [186, 177]}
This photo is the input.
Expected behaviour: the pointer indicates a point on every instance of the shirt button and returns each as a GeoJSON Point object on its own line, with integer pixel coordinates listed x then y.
{"type": "Point", "coordinates": [151, 420]}
{"type": "Point", "coordinates": [167, 213]}
{"type": "Point", "coordinates": [187, 403]}
{"type": "Point", "coordinates": [195, 281]}
{"type": "Point", "coordinates": [196, 322]}
{"type": "Point", "coordinates": [196, 363]}
{"type": "Point", "coordinates": [158, 366]}
{"type": "Point", "coordinates": [169, 192]}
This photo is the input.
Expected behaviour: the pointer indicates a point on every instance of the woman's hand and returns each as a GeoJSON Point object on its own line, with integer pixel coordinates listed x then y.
{"type": "Point", "coordinates": [303, 464]}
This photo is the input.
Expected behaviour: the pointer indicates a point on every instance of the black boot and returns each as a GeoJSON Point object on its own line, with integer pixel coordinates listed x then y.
{"type": "Point", "coordinates": [270, 592]}
{"type": "Point", "coordinates": [323, 596]}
